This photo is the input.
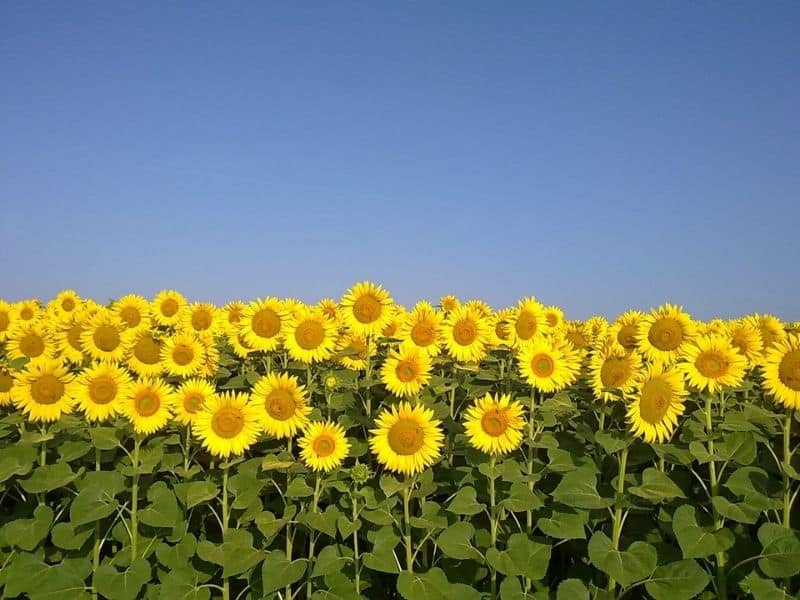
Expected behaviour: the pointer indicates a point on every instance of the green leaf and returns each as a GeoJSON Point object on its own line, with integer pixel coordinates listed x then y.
{"type": "Point", "coordinates": [328, 561]}
{"type": "Point", "coordinates": [611, 442]}
{"type": "Point", "coordinates": [324, 521]}
{"type": "Point", "coordinates": [739, 447]}
{"type": "Point", "coordinates": [696, 541]}
{"type": "Point", "coordinates": [68, 537]}
{"type": "Point", "coordinates": [763, 589]}
{"type": "Point", "coordinates": [298, 488]}
{"type": "Point", "coordinates": [48, 478]}
{"type": "Point", "coordinates": [277, 572]}
{"type": "Point", "coordinates": [625, 566]}
{"type": "Point", "coordinates": [177, 556]}
{"type": "Point", "coordinates": [105, 438]}
{"type": "Point", "coordinates": [73, 450]}
{"type": "Point", "coordinates": [520, 498]}
{"type": "Point", "coordinates": [510, 589]}
{"type": "Point", "coordinates": [27, 533]}
{"type": "Point", "coordinates": [465, 502]}
{"type": "Point", "coordinates": [780, 554]}
{"type": "Point", "coordinates": [163, 509]}
{"type": "Point", "coordinates": [433, 585]}
{"type": "Point", "coordinates": [391, 485]}
{"type": "Point", "coordinates": [749, 481]}
{"type": "Point", "coordinates": [456, 542]}
{"type": "Point", "coordinates": [564, 525]}
{"type": "Point", "coordinates": [121, 585]}
{"type": "Point", "coordinates": [739, 511]}
{"type": "Point", "coordinates": [432, 517]}
{"type": "Point", "coordinates": [92, 504]}
{"type": "Point", "coordinates": [27, 575]}
{"type": "Point", "coordinates": [522, 556]}
{"type": "Point", "coordinates": [679, 580]}
{"type": "Point", "coordinates": [236, 554]}
{"type": "Point", "coordinates": [657, 487]}
{"type": "Point", "coordinates": [183, 583]}
{"type": "Point", "coordinates": [578, 489]}
{"type": "Point", "coordinates": [572, 589]}
{"type": "Point", "coordinates": [192, 493]}
{"type": "Point", "coordinates": [16, 460]}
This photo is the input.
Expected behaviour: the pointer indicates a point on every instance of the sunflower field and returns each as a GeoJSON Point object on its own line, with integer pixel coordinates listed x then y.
{"type": "Point", "coordinates": [356, 449]}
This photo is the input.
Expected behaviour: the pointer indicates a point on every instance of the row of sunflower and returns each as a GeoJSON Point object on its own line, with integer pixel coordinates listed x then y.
{"type": "Point", "coordinates": [443, 449]}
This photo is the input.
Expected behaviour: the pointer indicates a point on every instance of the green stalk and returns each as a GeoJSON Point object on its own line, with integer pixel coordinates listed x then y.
{"type": "Point", "coordinates": [722, 583]}
{"type": "Point", "coordinates": [493, 524]}
{"type": "Point", "coordinates": [367, 374]}
{"type": "Point", "coordinates": [42, 457]}
{"type": "Point", "coordinates": [616, 531]}
{"type": "Point", "coordinates": [787, 482]}
{"type": "Point", "coordinates": [226, 590]}
{"type": "Point", "coordinates": [356, 565]}
{"type": "Point", "coordinates": [288, 593]}
{"type": "Point", "coordinates": [529, 512]}
{"type": "Point", "coordinates": [407, 524]}
{"type": "Point", "coordinates": [312, 536]}
{"type": "Point", "coordinates": [187, 450]}
{"type": "Point", "coordinates": [137, 442]}
{"type": "Point", "coordinates": [97, 546]}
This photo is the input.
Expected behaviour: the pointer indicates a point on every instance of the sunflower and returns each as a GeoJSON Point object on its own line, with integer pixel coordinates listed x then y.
{"type": "Point", "coordinates": [353, 351]}
{"type": "Point", "coordinates": [100, 390]}
{"type": "Point", "coordinates": [104, 338]}
{"type": "Point", "coordinates": [309, 336]}
{"type": "Point", "coordinates": [422, 327]}
{"type": "Point", "coordinates": [182, 355]}
{"type": "Point", "coordinates": [133, 311]}
{"type": "Point", "coordinates": [626, 329]}
{"type": "Point", "coordinates": [65, 304]}
{"type": "Point", "coordinates": [712, 363]}
{"type": "Point", "coordinates": [330, 309]}
{"type": "Point", "coordinates": [292, 307]}
{"type": "Point", "coordinates": [284, 403]}
{"type": "Point", "coordinates": [466, 334]}
{"type": "Point", "coordinates": [449, 303]}
{"type": "Point", "coordinates": [395, 324]}
{"type": "Point", "coordinates": [657, 403]}
{"type": "Point", "coordinates": [149, 405]}
{"type": "Point", "coordinates": [43, 390]}
{"type": "Point", "coordinates": [228, 424]}
{"type": "Point", "coordinates": [772, 331]}
{"type": "Point", "coordinates": [527, 321]}
{"type": "Point", "coordinates": [201, 318]}
{"type": "Point", "coordinates": [664, 332]}
{"type": "Point", "coordinates": [494, 424]}
{"type": "Point", "coordinates": [231, 316]}
{"type": "Point", "coordinates": [553, 317]}
{"type": "Point", "coordinates": [500, 328]}
{"type": "Point", "coordinates": [746, 338]}
{"type": "Point", "coordinates": [612, 367]}
{"type": "Point", "coordinates": [210, 356]}
{"type": "Point", "coordinates": [781, 368]}
{"type": "Point", "coordinates": [6, 385]}
{"type": "Point", "coordinates": [597, 325]}
{"type": "Point", "coordinates": [262, 324]}
{"type": "Point", "coordinates": [366, 308]}
{"type": "Point", "coordinates": [407, 438]}
{"type": "Point", "coordinates": [190, 397]}
{"type": "Point", "coordinates": [27, 310]}
{"type": "Point", "coordinates": [239, 345]}
{"type": "Point", "coordinates": [406, 370]}
{"type": "Point", "coordinates": [712, 327]}
{"type": "Point", "coordinates": [30, 339]}
{"type": "Point", "coordinates": [6, 319]}
{"type": "Point", "coordinates": [168, 308]}
{"type": "Point", "coordinates": [578, 335]}
{"type": "Point", "coordinates": [145, 353]}
{"type": "Point", "coordinates": [547, 365]}
{"type": "Point", "coordinates": [323, 446]}
{"type": "Point", "coordinates": [68, 337]}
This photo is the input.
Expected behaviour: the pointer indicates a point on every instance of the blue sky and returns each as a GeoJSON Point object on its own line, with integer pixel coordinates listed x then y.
{"type": "Point", "coordinates": [600, 156]}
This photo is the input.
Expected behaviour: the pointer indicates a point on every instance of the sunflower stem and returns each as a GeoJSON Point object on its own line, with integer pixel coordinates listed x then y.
{"type": "Point", "coordinates": [407, 524]}
{"type": "Point", "coordinates": [97, 545]}
{"type": "Point", "coordinates": [288, 593]}
{"type": "Point", "coordinates": [137, 442]}
{"type": "Point", "coordinates": [787, 456]}
{"type": "Point", "coordinates": [356, 566]}
{"type": "Point", "coordinates": [312, 536]}
{"type": "Point", "coordinates": [494, 523]}
{"type": "Point", "coordinates": [226, 591]}
{"type": "Point", "coordinates": [367, 375]}
{"type": "Point", "coordinates": [722, 584]}
{"type": "Point", "coordinates": [187, 450]}
{"type": "Point", "coordinates": [42, 456]}
{"type": "Point", "coordinates": [616, 531]}
{"type": "Point", "coordinates": [529, 512]}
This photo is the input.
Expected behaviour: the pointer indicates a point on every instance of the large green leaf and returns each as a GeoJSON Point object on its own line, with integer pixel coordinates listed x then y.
{"type": "Point", "coordinates": [564, 525]}
{"type": "Point", "coordinates": [277, 572]}
{"type": "Point", "coordinates": [28, 533]}
{"type": "Point", "coordinates": [122, 585]}
{"type": "Point", "coordinates": [16, 460]}
{"type": "Point", "coordinates": [163, 509]}
{"type": "Point", "coordinates": [679, 580]}
{"type": "Point", "coordinates": [465, 502]}
{"type": "Point", "coordinates": [625, 566]}
{"type": "Point", "coordinates": [522, 556]}
{"type": "Point", "coordinates": [192, 493]}
{"type": "Point", "coordinates": [433, 585]}
{"type": "Point", "coordinates": [456, 542]}
{"type": "Point", "coordinates": [579, 489]}
{"type": "Point", "coordinates": [48, 478]}
{"type": "Point", "coordinates": [657, 487]}
{"type": "Point", "coordinates": [328, 561]}
{"type": "Point", "coordinates": [28, 575]}
{"type": "Point", "coordinates": [92, 504]}
{"type": "Point", "coordinates": [780, 553]}
{"type": "Point", "coordinates": [696, 541]}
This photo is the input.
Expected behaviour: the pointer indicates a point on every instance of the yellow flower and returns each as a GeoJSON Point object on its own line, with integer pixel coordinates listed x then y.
{"type": "Point", "coordinates": [201, 318]}
{"type": "Point", "coordinates": [366, 308]}
{"type": "Point", "coordinates": [30, 339]}
{"type": "Point", "coordinates": [422, 327]}
{"type": "Point", "coordinates": [612, 367]}
{"type": "Point", "coordinates": [449, 303]}
{"type": "Point", "coordinates": [228, 424]}
{"type": "Point", "coordinates": [134, 312]}
{"type": "Point", "coordinates": [284, 405]}
{"type": "Point", "coordinates": [494, 424]}
{"type": "Point", "coordinates": [6, 318]}
{"type": "Point", "coordinates": [406, 370]}
{"type": "Point", "coordinates": [781, 368]}
{"type": "Point", "coordinates": [547, 365]}
{"type": "Point", "coordinates": [746, 338]}
{"type": "Point", "coordinates": [309, 336]}
{"type": "Point", "coordinates": [6, 385]}
{"type": "Point", "coordinates": [231, 316]}
{"type": "Point", "coordinates": [149, 405]}
{"type": "Point", "coordinates": [27, 310]}
{"type": "Point", "coordinates": [466, 334]}
{"type": "Point", "coordinates": [182, 355]}
{"type": "Point", "coordinates": [43, 391]}
{"type": "Point", "coordinates": [68, 337]}
{"type": "Point", "coordinates": [323, 446]}
{"type": "Point", "coordinates": [168, 308]}
{"type": "Point", "coordinates": [239, 345]}
{"type": "Point", "coordinates": [103, 337]}
{"type": "Point", "coordinates": [657, 403]}
{"type": "Point", "coordinates": [527, 321]}
{"type": "Point", "coordinates": [772, 330]}
{"type": "Point", "coordinates": [145, 354]}
{"type": "Point", "coordinates": [354, 352]}
{"type": "Point", "coordinates": [407, 438]}
{"type": "Point", "coordinates": [626, 329]}
{"type": "Point", "coordinates": [330, 309]}
{"type": "Point", "coordinates": [578, 335]}
{"type": "Point", "coordinates": [712, 363]}
{"type": "Point", "coordinates": [553, 317]}
{"type": "Point", "coordinates": [261, 324]}
{"type": "Point", "coordinates": [190, 397]}
{"type": "Point", "coordinates": [664, 332]}
{"type": "Point", "coordinates": [65, 304]}
{"type": "Point", "coordinates": [100, 390]}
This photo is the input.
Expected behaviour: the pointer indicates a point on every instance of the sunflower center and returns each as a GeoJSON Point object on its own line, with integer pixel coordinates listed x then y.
{"type": "Point", "coordinates": [47, 389]}
{"type": "Point", "coordinates": [192, 402]}
{"type": "Point", "coordinates": [666, 334]}
{"type": "Point", "coordinates": [614, 372]}
{"type": "Point", "coordinates": [6, 381]}
{"type": "Point", "coordinates": [655, 400]}
{"type": "Point", "coordinates": [227, 422]}
{"type": "Point", "coordinates": [542, 365]}
{"type": "Point", "coordinates": [147, 350]}
{"type": "Point", "coordinates": [423, 334]}
{"type": "Point", "coordinates": [68, 304]}
{"type": "Point", "coordinates": [552, 319]}
{"type": "Point", "coordinates": [26, 314]}
{"type": "Point", "coordinates": [789, 370]}
{"type": "Point", "coordinates": [280, 405]}
{"type": "Point", "coordinates": [367, 309]}
{"type": "Point", "coordinates": [309, 335]}
{"type": "Point", "coordinates": [465, 332]}
{"type": "Point", "coordinates": [5, 321]}
{"type": "Point", "coordinates": [169, 307]}
{"type": "Point", "coordinates": [146, 404]}
{"type": "Point", "coordinates": [106, 338]}
{"type": "Point", "coordinates": [201, 320]}
{"type": "Point", "coordinates": [577, 339]}
{"type": "Point", "coordinates": [711, 364]}
{"type": "Point", "coordinates": [525, 325]}
{"type": "Point", "coordinates": [390, 329]}
{"type": "Point", "coordinates": [627, 336]}
{"type": "Point", "coordinates": [266, 323]}
{"type": "Point", "coordinates": [494, 423]}
{"type": "Point", "coordinates": [131, 316]}
{"type": "Point", "coordinates": [323, 445]}
{"type": "Point", "coordinates": [406, 437]}
{"type": "Point", "coordinates": [406, 371]}
{"type": "Point", "coordinates": [31, 345]}
{"type": "Point", "coordinates": [183, 354]}
{"type": "Point", "coordinates": [501, 330]}
{"type": "Point", "coordinates": [102, 390]}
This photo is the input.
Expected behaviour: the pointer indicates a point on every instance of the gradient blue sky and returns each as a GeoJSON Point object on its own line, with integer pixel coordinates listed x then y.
{"type": "Point", "coordinates": [600, 156]}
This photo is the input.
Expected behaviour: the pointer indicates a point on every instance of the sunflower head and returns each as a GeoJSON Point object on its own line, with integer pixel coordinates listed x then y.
{"type": "Point", "coordinates": [422, 327]}
{"type": "Point", "coordinates": [43, 390]}
{"type": "Point", "coordinates": [231, 316]}
{"type": "Point", "coordinates": [712, 363]}
{"type": "Point", "coordinates": [664, 333]}
{"type": "Point", "coordinates": [190, 398]}
{"type": "Point", "coordinates": [168, 308]}
{"type": "Point", "coordinates": [144, 357]}
{"type": "Point", "coordinates": [32, 340]}
{"type": "Point", "coordinates": [611, 368]}
{"type": "Point", "coordinates": [466, 334]}
{"type": "Point", "coordinates": [527, 321]}
{"type": "Point", "coordinates": [228, 424]}
{"type": "Point", "coordinates": [100, 390]}
{"type": "Point", "coordinates": [354, 351]}
{"type": "Point", "coordinates": [547, 365]}
{"type": "Point", "coordinates": [406, 370]}
{"type": "Point", "coordinates": [407, 438]}
{"type": "Point", "coordinates": [262, 324]}
{"type": "Point", "coordinates": [657, 403]}
{"type": "Point", "coordinates": [449, 303]}
{"type": "Point", "coordinates": [323, 446]}
{"type": "Point", "coordinates": [366, 308]}
{"type": "Point", "coordinates": [309, 336]}
{"type": "Point", "coordinates": [494, 424]}
{"type": "Point", "coordinates": [745, 336]}
{"type": "Point", "coordinates": [149, 405]}
{"type": "Point", "coordinates": [104, 337]}
{"type": "Point", "coordinates": [133, 311]}
{"type": "Point", "coordinates": [182, 355]}
{"type": "Point", "coordinates": [6, 385]}
{"type": "Point", "coordinates": [282, 404]}
{"type": "Point", "coordinates": [781, 370]}
{"type": "Point", "coordinates": [626, 328]}
{"type": "Point", "coordinates": [6, 318]}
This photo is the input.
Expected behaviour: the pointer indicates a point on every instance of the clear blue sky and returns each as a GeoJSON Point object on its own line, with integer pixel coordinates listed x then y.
{"type": "Point", "coordinates": [600, 156]}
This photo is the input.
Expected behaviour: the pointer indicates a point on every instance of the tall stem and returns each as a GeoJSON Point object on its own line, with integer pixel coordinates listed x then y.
{"type": "Point", "coordinates": [367, 375]}
{"type": "Point", "coordinates": [288, 593]}
{"type": "Point", "coordinates": [187, 450]}
{"type": "Point", "coordinates": [312, 536]}
{"type": "Point", "coordinates": [43, 448]}
{"type": "Point", "coordinates": [787, 482]}
{"type": "Point", "coordinates": [616, 531]}
{"type": "Point", "coordinates": [494, 523]}
{"type": "Point", "coordinates": [407, 524]}
{"type": "Point", "coordinates": [356, 564]}
{"type": "Point", "coordinates": [137, 442]}
{"type": "Point", "coordinates": [722, 584]}
{"type": "Point", "coordinates": [529, 512]}
{"type": "Point", "coordinates": [226, 589]}
{"type": "Point", "coordinates": [97, 545]}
